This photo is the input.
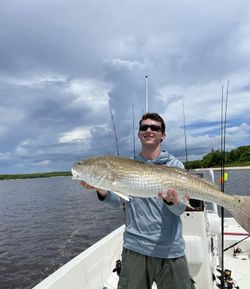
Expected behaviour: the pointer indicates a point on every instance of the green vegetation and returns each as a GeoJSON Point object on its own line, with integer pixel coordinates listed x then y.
{"type": "Point", "coordinates": [35, 175]}
{"type": "Point", "coordinates": [236, 157]}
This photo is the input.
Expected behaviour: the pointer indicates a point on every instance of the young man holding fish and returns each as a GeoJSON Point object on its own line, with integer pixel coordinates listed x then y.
{"type": "Point", "coordinates": [153, 241]}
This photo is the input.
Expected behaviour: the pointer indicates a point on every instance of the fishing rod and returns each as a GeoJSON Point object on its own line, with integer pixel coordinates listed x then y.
{"type": "Point", "coordinates": [222, 171]}
{"type": "Point", "coordinates": [236, 243]}
{"type": "Point", "coordinates": [185, 134]}
{"type": "Point", "coordinates": [118, 153]}
{"type": "Point", "coordinates": [223, 160]}
{"type": "Point", "coordinates": [114, 128]}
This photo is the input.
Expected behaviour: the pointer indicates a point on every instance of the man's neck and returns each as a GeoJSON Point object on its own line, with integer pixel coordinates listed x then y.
{"type": "Point", "coordinates": [150, 154]}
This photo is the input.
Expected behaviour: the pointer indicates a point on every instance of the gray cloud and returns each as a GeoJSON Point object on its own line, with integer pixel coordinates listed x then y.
{"type": "Point", "coordinates": [64, 64]}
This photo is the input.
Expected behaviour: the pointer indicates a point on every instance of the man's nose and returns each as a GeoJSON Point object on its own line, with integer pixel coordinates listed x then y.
{"type": "Point", "coordinates": [148, 131]}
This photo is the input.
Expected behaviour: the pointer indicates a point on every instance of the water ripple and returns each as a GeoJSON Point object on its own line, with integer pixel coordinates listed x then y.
{"type": "Point", "coordinates": [43, 224]}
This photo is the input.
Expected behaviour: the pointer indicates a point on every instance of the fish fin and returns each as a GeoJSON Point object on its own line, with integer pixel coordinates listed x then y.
{"type": "Point", "coordinates": [121, 195]}
{"type": "Point", "coordinates": [210, 183]}
{"type": "Point", "coordinates": [241, 212]}
{"type": "Point", "coordinates": [185, 200]}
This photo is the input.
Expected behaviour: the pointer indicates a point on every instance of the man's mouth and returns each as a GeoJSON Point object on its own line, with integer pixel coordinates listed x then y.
{"type": "Point", "coordinates": [147, 136]}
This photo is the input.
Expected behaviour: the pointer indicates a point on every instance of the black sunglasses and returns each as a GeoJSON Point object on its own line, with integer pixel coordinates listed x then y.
{"type": "Point", "coordinates": [153, 127]}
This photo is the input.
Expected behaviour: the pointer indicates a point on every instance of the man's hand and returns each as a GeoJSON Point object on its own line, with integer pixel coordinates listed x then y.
{"type": "Point", "coordinates": [171, 196]}
{"type": "Point", "coordinates": [89, 187]}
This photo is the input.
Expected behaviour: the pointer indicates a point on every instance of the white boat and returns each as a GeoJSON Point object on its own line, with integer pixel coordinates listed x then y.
{"type": "Point", "coordinates": [93, 268]}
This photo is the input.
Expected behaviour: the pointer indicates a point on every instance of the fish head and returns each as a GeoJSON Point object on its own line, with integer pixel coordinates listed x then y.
{"type": "Point", "coordinates": [94, 171]}
{"type": "Point", "coordinates": [80, 171]}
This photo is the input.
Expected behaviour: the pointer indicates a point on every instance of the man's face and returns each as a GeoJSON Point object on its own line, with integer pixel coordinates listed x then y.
{"type": "Point", "coordinates": [150, 136]}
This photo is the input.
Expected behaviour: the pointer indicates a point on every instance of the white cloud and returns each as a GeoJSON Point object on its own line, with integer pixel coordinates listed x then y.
{"type": "Point", "coordinates": [23, 148]}
{"type": "Point", "coordinates": [35, 80]}
{"type": "Point", "coordinates": [60, 72]}
{"type": "Point", "coordinates": [125, 63]}
{"type": "Point", "coordinates": [44, 163]}
{"type": "Point", "coordinates": [89, 93]}
{"type": "Point", "coordinates": [77, 135]}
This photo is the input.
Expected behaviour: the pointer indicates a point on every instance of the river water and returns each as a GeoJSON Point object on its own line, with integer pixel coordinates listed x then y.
{"type": "Point", "coordinates": [46, 222]}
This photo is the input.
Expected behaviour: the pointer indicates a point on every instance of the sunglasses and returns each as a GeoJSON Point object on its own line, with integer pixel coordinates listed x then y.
{"type": "Point", "coordinates": [153, 127]}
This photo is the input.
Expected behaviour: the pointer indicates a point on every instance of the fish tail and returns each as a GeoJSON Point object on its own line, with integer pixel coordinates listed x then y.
{"type": "Point", "coordinates": [241, 212]}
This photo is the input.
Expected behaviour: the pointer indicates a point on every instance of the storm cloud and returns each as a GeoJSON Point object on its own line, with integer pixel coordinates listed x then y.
{"type": "Point", "coordinates": [65, 64]}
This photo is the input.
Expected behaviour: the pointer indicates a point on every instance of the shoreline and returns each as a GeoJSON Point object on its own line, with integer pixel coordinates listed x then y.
{"type": "Point", "coordinates": [226, 168]}
{"type": "Point", "coordinates": [68, 173]}
{"type": "Point", "coordinates": [34, 175]}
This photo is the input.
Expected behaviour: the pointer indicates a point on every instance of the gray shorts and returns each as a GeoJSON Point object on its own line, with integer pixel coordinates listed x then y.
{"type": "Point", "coordinates": [139, 272]}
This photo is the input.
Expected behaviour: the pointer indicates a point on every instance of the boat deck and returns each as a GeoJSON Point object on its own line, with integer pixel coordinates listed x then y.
{"type": "Point", "coordinates": [92, 269]}
{"type": "Point", "coordinates": [237, 258]}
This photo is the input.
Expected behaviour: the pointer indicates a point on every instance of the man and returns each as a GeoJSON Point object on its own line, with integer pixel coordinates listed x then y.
{"type": "Point", "coordinates": [153, 248]}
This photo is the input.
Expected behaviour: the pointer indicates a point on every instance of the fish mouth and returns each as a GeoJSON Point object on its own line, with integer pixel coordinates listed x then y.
{"type": "Point", "coordinates": [75, 175]}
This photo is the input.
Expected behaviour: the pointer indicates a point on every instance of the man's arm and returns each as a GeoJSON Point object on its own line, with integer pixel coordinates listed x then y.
{"type": "Point", "coordinates": [107, 197]}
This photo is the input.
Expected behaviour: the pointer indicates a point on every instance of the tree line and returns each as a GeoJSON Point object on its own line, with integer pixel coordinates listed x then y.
{"type": "Point", "coordinates": [236, 157]}
{"type": "Point", "coordinates": [34, 175]}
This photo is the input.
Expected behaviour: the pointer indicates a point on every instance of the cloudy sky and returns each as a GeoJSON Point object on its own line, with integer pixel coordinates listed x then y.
{"type": "Point", "coordinates": [65, 63]}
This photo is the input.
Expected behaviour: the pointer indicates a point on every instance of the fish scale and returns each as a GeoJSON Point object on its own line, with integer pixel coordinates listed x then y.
{"type": "Point", "coordinates": [132, 178]}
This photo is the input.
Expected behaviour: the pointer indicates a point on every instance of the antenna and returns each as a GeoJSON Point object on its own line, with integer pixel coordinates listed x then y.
{"type": "Point", "coordinates": [133, 117]}
{"type": "Point", "coordinates": [146, 94]}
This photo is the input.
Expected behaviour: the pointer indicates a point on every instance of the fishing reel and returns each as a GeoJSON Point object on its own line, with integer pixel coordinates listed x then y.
{"type": "Point", "coordinates": [226, 280]}
{"type": "Point", "coordinates": [118, 266]}
{"type": "Point", "coordinates": [236, 251]}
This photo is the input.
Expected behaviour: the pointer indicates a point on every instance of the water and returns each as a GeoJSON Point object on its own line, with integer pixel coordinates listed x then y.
{"type": "Point", "coordinates": [46, 222]}
{"type": "Point", "coordinates": [238, 183]}
{"type": "Point", "coordinates": [43, 224]}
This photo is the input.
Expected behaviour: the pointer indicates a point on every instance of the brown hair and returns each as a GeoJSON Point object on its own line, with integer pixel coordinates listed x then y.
{"type": "Point", "coordinates": [154, 116]}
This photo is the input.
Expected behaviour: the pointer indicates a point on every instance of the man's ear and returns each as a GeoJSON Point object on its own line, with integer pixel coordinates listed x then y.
{"type": "Point", "coordinates": [164, 135]}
